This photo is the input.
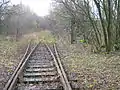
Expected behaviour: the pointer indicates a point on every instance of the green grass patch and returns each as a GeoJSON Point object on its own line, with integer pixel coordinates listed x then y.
{"type": "Point", "coordinates": [42, 36]}
{"type": "Point", "coordinates": [47, 37]}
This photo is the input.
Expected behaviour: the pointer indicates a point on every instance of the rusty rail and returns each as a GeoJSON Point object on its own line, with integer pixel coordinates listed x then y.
{"type": "Point", "coordinates": [11, 82]}
{"type": "Point", "coordinates": [60, 69]}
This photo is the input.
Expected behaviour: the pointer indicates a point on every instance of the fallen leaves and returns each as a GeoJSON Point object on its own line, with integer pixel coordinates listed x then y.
{"type": "Point", "coordinates": [95, 71]}
{"type": "Point", "coordinates": [9, 51]}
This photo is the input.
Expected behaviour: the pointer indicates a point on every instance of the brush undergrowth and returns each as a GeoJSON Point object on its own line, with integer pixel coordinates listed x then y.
{"type": "Point", "coordinates": [94, 71]}
{"type": "Point", "coordinates": [9, 49]}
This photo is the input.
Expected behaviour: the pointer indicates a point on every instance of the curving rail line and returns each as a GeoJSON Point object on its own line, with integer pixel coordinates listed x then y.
{"type": "Point", "coordinates": [40, 69]}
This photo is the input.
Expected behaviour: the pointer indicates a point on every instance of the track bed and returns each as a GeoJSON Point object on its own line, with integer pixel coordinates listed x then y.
{"type": "Point", "coordinates": [40, 72]}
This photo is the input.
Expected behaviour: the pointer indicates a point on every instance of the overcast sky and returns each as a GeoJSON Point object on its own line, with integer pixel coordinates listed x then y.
{"type": "Point", "coordinates": [40, 7]}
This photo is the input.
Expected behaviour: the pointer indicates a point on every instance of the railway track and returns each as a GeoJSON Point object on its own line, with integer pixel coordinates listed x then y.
{"type": "Point", "coordinates": [40, 69]}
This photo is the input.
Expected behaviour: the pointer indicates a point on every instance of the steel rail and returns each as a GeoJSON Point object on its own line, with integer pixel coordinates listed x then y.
{"type": "Point", "coordinates": [11, 82]}
{"type": "Point", "coordinates": [63, 80]}
{"type": "Point", "coordinates": [62, 69]}
{"type": "Point", "coordinates": [14, 73]}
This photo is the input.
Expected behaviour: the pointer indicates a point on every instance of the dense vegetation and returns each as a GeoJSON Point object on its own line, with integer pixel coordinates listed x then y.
{"type": "Point", "coordinates": [97, 22]}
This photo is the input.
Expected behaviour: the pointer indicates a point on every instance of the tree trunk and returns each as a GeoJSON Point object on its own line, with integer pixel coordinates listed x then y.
{"type": "Point", "coordinates": [73, 32]}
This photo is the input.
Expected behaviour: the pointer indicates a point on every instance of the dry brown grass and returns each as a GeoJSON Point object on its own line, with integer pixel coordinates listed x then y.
{"type": "Point", "coordinates": [94, 71]}
{"type": "Point", "coordinates": [11, 52]}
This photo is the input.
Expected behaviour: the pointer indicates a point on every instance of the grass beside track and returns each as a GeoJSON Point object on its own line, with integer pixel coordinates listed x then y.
{"type": "Point", "coordinates": [11, 52]}
{"type": "Point", "coordinates": [10, 48]}
{"type": "Point", "coordinates": [8, 51]}
{"type": "Point", "coordinates": [93, 71]}
{"type": "Point", "coordinates": [42, 36]}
